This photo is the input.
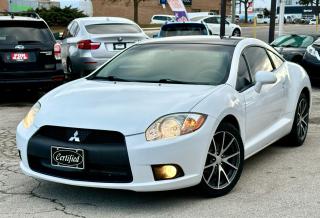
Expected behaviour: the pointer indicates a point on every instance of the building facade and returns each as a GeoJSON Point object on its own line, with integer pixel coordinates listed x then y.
{"type": "Point", "coordinates": [148, 8]}
{"type": "Point", "coordinates": [3, 5]}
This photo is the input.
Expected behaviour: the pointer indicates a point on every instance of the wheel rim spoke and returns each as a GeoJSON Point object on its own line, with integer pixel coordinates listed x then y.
{"type": "Point", "coordinates": [225, 149]}
{"type": "Point", "coordinates": [230, 164]}
{"type": "Point", "coordinates": [222, 170]}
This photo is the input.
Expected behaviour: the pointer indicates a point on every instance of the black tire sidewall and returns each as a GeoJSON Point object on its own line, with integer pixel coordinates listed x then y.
{"type": "Point", "coordinates": [293, 137]}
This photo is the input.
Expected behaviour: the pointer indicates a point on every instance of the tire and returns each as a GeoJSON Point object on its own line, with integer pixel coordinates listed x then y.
{"type": "Point", "coordinates": [236, 32]}
{"type": "Point", "coordinates": [70, 71]}
{"type": "Point", "coordinates": [226, 161]}
{"type": "Point", "coordinates": [300, 125]}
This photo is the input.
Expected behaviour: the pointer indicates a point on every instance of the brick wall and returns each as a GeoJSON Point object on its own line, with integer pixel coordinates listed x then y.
{"type": "Point", "coordinates": [3, 5]}
{"type": "Point", "coordinates": [147, 8]}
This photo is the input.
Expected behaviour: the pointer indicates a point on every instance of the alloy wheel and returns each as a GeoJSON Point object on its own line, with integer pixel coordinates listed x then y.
{"type": "Point", "coordinates": [223, 161]}
{"type": "Point", "coordinates": [302, 119]}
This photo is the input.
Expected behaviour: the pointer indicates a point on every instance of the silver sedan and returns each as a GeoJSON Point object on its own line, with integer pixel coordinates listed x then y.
{"type": "Point", "coordinates": [89, 42]}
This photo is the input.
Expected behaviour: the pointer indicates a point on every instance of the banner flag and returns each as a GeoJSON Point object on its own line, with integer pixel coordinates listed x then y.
{"type": "Point", "coordinates": [179, 10]}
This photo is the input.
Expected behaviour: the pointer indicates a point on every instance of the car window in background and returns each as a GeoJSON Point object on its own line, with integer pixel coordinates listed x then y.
{"type": "Point", "coordinates": [258, 60]}
{"type": "Point", "coordinates": [212, 20]}
{"type": "Point", "coordinates": [14, 32]}
{"type": "Point", "coordinates": [187, 63]}
{"type": "Point", "coordinates": [276, 59]}
{"type": "Point", "coordinates": [294, 41]}
{"type": "Point", "coordinates": [112, 28]}
{"type": "Point", "coordinates": [183, 30]}
{"type": "Point", "coordinates": [243, 78]}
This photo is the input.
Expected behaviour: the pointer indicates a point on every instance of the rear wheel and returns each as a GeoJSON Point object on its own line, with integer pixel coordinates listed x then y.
{"type": "Point", "coordinates": [224, 162]}
{"type": "Point", "coordinates": [300, 125]}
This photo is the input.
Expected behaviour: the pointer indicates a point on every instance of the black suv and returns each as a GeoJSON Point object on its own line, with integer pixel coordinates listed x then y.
{"type": "Point", "coordinates": [29, 53]}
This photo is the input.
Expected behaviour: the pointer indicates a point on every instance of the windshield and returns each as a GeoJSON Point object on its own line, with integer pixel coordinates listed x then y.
{"type": "Point", "coordinates": [170, 63]}
{"type": "Point", "coordinates": [183, 30]}
{"type": "Point", "coordinates": [112, 28]}
{"type": "Point", "coordinates": [14, 32]}
{"type": "Point", "coordinates": [294, 41]}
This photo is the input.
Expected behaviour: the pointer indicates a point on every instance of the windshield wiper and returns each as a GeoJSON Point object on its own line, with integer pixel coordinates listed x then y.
{"type": "Point", "coordinates": [112, 78]}
{"type": "Point", "coordinates": [174, 81]}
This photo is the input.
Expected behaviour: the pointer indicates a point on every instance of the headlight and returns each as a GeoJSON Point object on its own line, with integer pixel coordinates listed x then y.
{"type": "Point", "coordinates": [312, 51]}
{"type": "Point", "coordinates": [174, 125]}
{"type": "Point", "coordinates": [29, 118]}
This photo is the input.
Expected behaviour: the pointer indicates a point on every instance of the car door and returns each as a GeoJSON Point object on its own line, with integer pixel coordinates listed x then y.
{"type": "Point", "coordinates": [263, 109]}
{"type": "Point", "coordinates": [213, 24]}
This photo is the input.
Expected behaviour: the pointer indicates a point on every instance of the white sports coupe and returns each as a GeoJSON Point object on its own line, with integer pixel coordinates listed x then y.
{"type": "Point", "coordinates": [167, 114]}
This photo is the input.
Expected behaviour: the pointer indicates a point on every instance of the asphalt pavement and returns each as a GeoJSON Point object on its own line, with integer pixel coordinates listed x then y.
{"type": "Point", "coordinates": [279, 181]}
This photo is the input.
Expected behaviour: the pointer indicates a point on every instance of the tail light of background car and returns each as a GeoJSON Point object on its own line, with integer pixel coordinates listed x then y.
{"type": "Point", "coordinates": [57, 51]}
{"type": "Point", "coordinates": [88, 45]}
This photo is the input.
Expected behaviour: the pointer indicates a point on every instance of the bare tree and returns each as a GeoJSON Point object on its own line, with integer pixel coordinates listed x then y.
{"type": "Point", "coordinates": [246, 4]}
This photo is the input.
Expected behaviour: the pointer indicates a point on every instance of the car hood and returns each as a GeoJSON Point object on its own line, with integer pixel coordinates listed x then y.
{"type": "Point", "coordinates": [129, 108]}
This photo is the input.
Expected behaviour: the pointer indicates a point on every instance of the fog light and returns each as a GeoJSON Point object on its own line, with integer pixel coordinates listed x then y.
{"type": "Point", "coordinates": [163, 172]}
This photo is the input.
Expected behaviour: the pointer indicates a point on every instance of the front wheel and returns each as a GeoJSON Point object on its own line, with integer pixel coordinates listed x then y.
{"type": "Point", "coordinates": [236, 32]}
{"type": "Point", "coordinates": [224, 162]}
{"type": "Point", "coordinates": [300, 125]}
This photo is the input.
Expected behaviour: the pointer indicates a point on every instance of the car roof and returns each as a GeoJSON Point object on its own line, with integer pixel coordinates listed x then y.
{"type": "Point", "coordinates": [92, 20]}
{"type": "Point", "coordinates": [19, 18]}
{"type": "Point", "coordinates": [183, 23]}
{"type": "Point", "coordinates": [166, 15]}
{"type": "Point", "coordinates": [214, 40]}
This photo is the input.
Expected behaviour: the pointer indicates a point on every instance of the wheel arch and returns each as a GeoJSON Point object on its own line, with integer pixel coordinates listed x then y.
{"type": "Point", "coordinates": [231, 119]}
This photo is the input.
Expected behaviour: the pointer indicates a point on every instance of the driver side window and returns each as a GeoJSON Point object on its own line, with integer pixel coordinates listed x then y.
{"type": "Point", "coordinates": [258, 60]}
{"type": "Point", "coordinates": [243, 79]}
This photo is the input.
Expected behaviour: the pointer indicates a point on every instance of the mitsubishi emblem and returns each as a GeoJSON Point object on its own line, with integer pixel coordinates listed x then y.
{"type": "Point", "coordinates": [75, 137]}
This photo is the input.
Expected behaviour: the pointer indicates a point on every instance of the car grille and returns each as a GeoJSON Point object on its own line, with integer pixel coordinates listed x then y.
{"type": "Point", "coordinates": [106, 156]}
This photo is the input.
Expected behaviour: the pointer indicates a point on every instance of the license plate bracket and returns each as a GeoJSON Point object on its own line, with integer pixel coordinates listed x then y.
{"type": "Point", "coordinates": [19, 56]}
{"type": "Point", "coordinates": [119, 46]}
{"type": "Point", "coordinates": [67, 157]}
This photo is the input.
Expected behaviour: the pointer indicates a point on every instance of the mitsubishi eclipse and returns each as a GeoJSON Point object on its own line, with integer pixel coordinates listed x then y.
{"type": "Point", "coordinates": [167, 114]}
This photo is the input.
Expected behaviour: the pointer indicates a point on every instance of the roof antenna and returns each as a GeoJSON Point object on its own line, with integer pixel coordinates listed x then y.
{"type": "Point", "coordinates": [12, 15]}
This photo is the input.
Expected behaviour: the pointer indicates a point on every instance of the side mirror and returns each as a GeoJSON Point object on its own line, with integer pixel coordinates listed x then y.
{"type": "Point", "coordinates": [263, 78]}
{"type": "Point", "coordinates": [155, 36]}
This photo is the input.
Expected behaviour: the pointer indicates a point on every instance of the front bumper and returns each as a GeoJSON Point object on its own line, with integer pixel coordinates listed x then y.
{"type": "Point", "coordinates": [189, 152]}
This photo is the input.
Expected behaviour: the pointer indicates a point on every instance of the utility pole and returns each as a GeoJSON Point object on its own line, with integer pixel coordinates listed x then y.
{"type": "Point", "coordinates": [223, 18]}
{"type": "Point", "coordinates": [281, 16]}
{"type": "Point", "coordinates": [233, 11]}
{"type": "Point", "coordinates": [272, 20]}
{"type": "Point", "coordinates": [317, 15]}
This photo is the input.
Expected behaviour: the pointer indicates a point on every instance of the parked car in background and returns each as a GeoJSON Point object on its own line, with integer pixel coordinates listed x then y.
{"type": "Point", "coordinates": [29, 54]}
{"type": "Point", "coordinates": [213, 23]}
{"type": "Point", "coordinates": [162, 19]}
{"type": "Point", "coordinates": [311, 60]}
{"type": "Point", "coordinates": [89, 42]}
{"type": "Point", "coordinates": [199, 14]}
{"type": "Point", "coordinates": [313, 21]}
{"type": "Point", "coordinates": [183, 29]}
{"type": "Point", "coordinates": [168, 114]}
{"type": "Point", "coordinates": [292, 46]}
